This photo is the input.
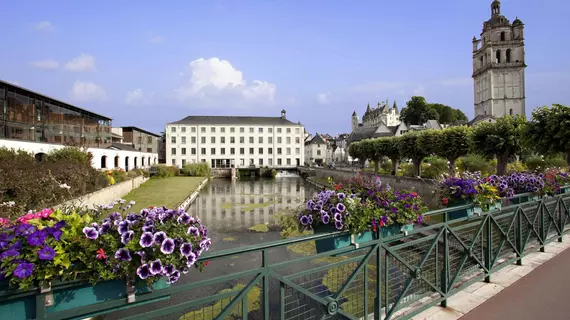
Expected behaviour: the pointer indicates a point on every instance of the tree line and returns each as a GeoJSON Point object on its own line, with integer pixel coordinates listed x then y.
{"type": "Point", "coordinates": [548, 132]}
{"type": "Point", "coordinates": [418, 111]}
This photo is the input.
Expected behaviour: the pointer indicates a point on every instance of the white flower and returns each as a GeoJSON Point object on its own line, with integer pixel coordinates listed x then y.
{"type": "Point", "coordinates": [64, 186]}
{"type": "Point", "coordinates": [132, 202]}
{"type": "Point", "coordinates": [8, 204]}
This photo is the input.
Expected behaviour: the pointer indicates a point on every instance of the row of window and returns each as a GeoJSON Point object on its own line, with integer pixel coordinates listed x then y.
{"type": "Point", "coordinates": [233, 140]}
{"type": "Point", "coordinates": [288, 161]}
{"type": "Point", "coordinates": [233, 151]}
{"type": "Point", "coordinates": [233, 129]}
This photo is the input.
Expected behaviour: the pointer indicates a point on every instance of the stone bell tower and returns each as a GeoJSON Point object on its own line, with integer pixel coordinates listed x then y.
{"type": "Point", "coordinates": [498, 66]}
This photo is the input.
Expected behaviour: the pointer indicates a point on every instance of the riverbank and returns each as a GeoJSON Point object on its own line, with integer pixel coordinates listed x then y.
{"type": "Point", "coordinates": [169, 192]}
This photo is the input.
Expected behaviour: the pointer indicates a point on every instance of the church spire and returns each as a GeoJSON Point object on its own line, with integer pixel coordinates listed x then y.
{"type": "Point", "coordinates": [496, 8]}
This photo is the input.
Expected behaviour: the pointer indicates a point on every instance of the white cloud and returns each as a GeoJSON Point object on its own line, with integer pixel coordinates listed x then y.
{"type": "Point", "coordinates": [46, 64]}
{"type": "Point", "coordinates": [323, 98]}
{"type": "Point", "coordinates": [136, 97]}
{"type": "Point", "coordinates": [216, 82]}
{"type": "Point", "coordinates": [83, 62]}
{"type": "Point", "coordinates": [87, 91]}
{"type": "Point", "coordinates": [44, 26]}
{"type": "Point", "coordinates": [156, 39]}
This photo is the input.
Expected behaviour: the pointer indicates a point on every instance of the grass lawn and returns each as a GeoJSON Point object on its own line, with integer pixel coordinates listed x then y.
{"type": "Point", "coordinates": [169, 192]}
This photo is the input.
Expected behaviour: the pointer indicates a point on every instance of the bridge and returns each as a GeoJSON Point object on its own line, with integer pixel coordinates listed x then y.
{"type": "Point", "coordinates": [425, 273]}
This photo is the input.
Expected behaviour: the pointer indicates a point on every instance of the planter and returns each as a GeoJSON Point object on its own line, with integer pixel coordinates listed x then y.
{"type": "Point", "coordinates": [498, 205]}
{"type": "Point", "coordinates": [524, 199]}
{"type": "Point", "coordinates": [462, 213]}
{"type": "Point", "coordinates": [75, 297]}
{"type": "Point", "coordinates": [395, 229]}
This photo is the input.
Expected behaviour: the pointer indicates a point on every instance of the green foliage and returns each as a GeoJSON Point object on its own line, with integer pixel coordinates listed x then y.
{"type": "Point", "coordinates": [429, 141]}
{"type": "Point", "coordinates": [259, 228]}
{"type": "Point", "coordinates": [556, 162]}
{"type": "Point", "coordinates": [409, 148]}
{"type": "Point", "coordinates": [267, 172]}
{"type": "Point", "coordinates": [70, 154]}
{"type": "Point", "coordinates": [475, 163]}
{"type": "Point", "coordinates": [515, 167]}
{"type": "Point", "coordinates": [549, 130]}
{"type": "Point", "coordinates": [201, 169]}
{"type": "Point", "coordinates": [163, 171]}
{"type": "Point", "coordinates": [418, 111]}
{"type": "Point", "coordinates": [501, 139]}
{"type": "Point", "coordinates": [434, 167]}
{"type": "Point", "coordinates": [388, 147]}
{"type": "Point", "coordinates": [454, 143]}
{"type": "Point", "coordinates": [535, 163]}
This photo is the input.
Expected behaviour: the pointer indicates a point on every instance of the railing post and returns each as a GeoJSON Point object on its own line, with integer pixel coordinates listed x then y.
{"type": "Point", "coordinates": [378, 299]}
{"type": "Point", "coordinates": [265, 281]}
{"type": "Point", "coordinates": [541, 225]}
{"type": "Point", "coordinates": [445, 269]}
{"type": "Point", "coordinates": [560, 207]}
{"type": "Point", "coordinates": [518, 235]}
{"type": "Point", "coordinates": [489, 249]}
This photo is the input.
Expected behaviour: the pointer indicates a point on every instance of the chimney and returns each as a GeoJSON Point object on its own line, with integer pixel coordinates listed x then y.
{"type": "Point", "coordinates": [283, 114]}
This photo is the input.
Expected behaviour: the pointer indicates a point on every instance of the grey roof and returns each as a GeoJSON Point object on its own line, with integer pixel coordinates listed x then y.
{"type": "Point", "coordinates": [433, 124]}
{"type": "Point", "coordinates": [480, 118]}
{"type": "Point", "coordinates": [317, 139]}
{"type": "Point", "coordinates": [121, 146]}
{"type": "Point", "coordinates": [235, 120]}
{"type": "Point", "coordinates": [141, 130]}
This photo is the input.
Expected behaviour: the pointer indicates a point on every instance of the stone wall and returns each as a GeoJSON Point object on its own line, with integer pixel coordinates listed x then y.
{"type": "Point", "coordinates": [109, 194]}
{"type": "Point", "coordinates": [188, 201]}
{"type": "Point", "coordinates": [424, 187]}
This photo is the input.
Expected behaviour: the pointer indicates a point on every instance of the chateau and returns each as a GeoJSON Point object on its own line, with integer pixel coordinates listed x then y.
{"type": "Point", "coordinates": [374, 117]}
{"type": "Point", "coordinates": [498, 67]}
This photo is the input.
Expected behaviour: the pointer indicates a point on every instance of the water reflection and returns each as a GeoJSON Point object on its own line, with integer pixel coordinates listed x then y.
{"type": "Point", "coordinates": [239, 204]}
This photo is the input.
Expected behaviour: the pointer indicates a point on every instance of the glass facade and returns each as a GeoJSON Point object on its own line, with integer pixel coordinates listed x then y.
{"type": "Point", "coordinates": [29, 116]}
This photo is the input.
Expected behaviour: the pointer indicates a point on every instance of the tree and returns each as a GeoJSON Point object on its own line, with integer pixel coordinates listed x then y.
{"type": "Point", "coordinates": [355, 151]}
{"type": "Point", "coordinates": [369, 152]}
{"type": "Point", "coordinates": [409, 148]}
{"type": "Point", "coordinates": [417, 111]}
{"type": "Point", "coordinates": [388, 147]}
{"type": "Point", "coordinates": [501, 139]}
{"type": "Point", "coordinates": [454, 143]}
{"type": "Point", "coordinates": [459, 115]}
{"type": "Point", "coordinates": [446, 113]}
{"type": "Point", "coordinates": [549, 130]}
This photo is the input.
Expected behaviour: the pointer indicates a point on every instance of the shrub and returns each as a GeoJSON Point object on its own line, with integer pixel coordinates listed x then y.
{"type": "Point", "coordinates": [119, 175]}
{"type": "Point", "coordinates": [70, 154]}
{"type": "Point", "coordinates": [434, 167]}
{"type": "Point", "coordinates": [163, 171]}
{"type": "Point", "coordinates": [197, 170]}
{"type": "Point", "coordinates": [557, 161]}
{"type": "Point", "coordinates": [268, 172]}
{"type": "Point", "coordinates": [474, 163]}
{"type": "Point", "coordinates": [515, 167]}
{"type": "Point", "coordinates": [535, 163]}
{"type": "Point", "coordinates": [386, 166]}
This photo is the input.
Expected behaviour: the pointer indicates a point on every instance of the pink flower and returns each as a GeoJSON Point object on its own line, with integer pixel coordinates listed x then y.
{"type": "Point", "coordinates": [45, 213]}
{"type": "Point", "coordinates": [4, 222]}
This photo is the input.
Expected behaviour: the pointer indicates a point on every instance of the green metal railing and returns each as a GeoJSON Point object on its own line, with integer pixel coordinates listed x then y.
{"type": "Point", "coordinates": [394, 277]}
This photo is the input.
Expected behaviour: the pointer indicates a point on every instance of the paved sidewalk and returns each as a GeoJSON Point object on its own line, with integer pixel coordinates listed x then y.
{"type": "Point", "coordinates": [542, 294]}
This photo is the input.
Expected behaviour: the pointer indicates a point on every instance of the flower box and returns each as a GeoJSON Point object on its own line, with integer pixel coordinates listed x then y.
{"type": "Point", "coordinates": [524, 199]}
{"type": "Point", "coordinates": [496, 206]}
{"type": "Point", "coordinates": [75, 297]}
{"type": "Point", "coordinates": [462, 213]}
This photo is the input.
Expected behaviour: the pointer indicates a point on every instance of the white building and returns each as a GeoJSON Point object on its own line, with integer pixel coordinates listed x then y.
{"type": "Point", "coordinates": [498, 66]}
{"type": "Point", "coordinates": [381, 115]}
{"type": "Point", "coordinates": [223, 141]}
{"type": "Point", "coordinates": [318, 151]}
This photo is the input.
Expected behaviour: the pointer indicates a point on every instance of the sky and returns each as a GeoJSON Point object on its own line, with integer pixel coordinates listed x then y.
{"type": "Point", "coordinates": [146, 63]}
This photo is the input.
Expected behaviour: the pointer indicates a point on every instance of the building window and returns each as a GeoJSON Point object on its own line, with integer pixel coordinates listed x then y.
{"type": "Point", "coordinates": [232, 150]}
{"type": "Point", "coordinates": [223, 129]}
{"type": "Point", "coordinates": [222, 150]}
{"type": "Point", "coordinates": [149, 150]}
{"type": "Point", "coordinates": [183, 140]}
{"type": "Point", "coordinates": [203, 129]}
{"type": "Point", "coordinates": [173, 162]}
{"type": "Point", "coordinates": [270, 130]}
{"type": "Point", "coordinates": [508, 55]}
{"type": "Point", "coordinates": [183, 162]}
{"type": "Point", "coordinates": [278, 150]}
{"type": "Point", "coordinates": [183, 129]}
{"type": "Point", "coordinates": [222, 139]}
{"type": "Point", "coordinates": [288, 130]}
{"type": "Point", "coordinates": [260, 139]}
{"type": "Point", "coordinates": [270, 150]}
{"type": "Point", "coordinates": [250, 139]}
{"type": "Point", "coordinates": [213, 129]}
{"type": "Point", "coordinates": [260, 130]}
{"type": "Point", "coordinates": [193, 139]}
{"type": "Point", "coordinates": [242, 129]}
{"type": "Point", "coordinates": [288, 140]}
{"type": "Point", "coordinates": [193, 129]}
{"type": "Point", "coordinates": [498, 56]}
{"type": "Point", "coordinates": [260, 150]}
{"type": "Point", "coordinates": [270, 161]}
{"type": "Point", "coordinates": [232, 139]}
{"type": "Point", "coordinates": [213, 139]}
{"type": "Point", "coordinates": [212, 150]}
{"type": "Point", "coordinates": [241, 150]}
{"type": "Point", "coordinates": [270, 140]}
{"type": "Point", "coordinates": [193, 151]}
{"type": "Point", "coordinates": [297, 130]}
{"type": "Point", "coordinates": [279, 161]}
{"type": "Point", "coordinates": [511, 111]}
{"type": "Point", "coordinates": [203, 139]}
{"type": "Point", "coordinates": [173, 139]}
{"type": "Point", "coordinates": [242, 162]}
{"type": "Point", "coordinates": [250, 150]}
{"type": "Point", "coordinates": [318, 152]}
{"type": "Point", "coordinates": [149, 139]}
{"type": "Point", "coordinates": [260, 162]}
{"type": "Point", "coordinates": [278, 139]}
{"type": "Point", "coordinates": [250, 129]}
{"type": "Point", "coordinates": [139, 140]}
{"type": "Point", "coordinates": [203, 151]}
{"type": "Point", "coordinates": [502, 36]}
{"type": "Point", "coordinates": [173, 129]}
{"type": "Point", "coordinates": [278, 130]}
{"type": "Point", "coordinates": [288, 161]}
{"type": "Point", "coordinates": [288, 151]}
{"type": "Point", "coordinates": [173, 151]}
{"type": "Point", "coordinates": [183, 151]}
{"type": "Point", "coordinates": [241, 139]}
{"type": "Point", "coordinates": [232, 129]}
{"type": "Point", "coordinates": [297, 150]}
{"type": "Point", "coordinates": [297, 140]}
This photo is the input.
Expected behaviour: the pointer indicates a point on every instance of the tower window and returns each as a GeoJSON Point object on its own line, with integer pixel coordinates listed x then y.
{"type": "Point", "coordinates": [511, 111]}
{"type": "Point", "coordinates": [502, 36]}
{"type": "Point", "coordinates": [498, 56]}
{"type": "Point", "coordinates": [508, 55]}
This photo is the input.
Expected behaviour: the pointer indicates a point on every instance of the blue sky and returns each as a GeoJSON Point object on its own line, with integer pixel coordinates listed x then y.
{"type": "Point", "coordinates": [146, 63]}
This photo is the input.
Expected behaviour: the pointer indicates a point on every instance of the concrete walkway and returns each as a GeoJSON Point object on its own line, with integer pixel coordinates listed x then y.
{"type": "Point", "coordinates": [542, 294]}
{"type": "Point", "coordinates": [539, 289]}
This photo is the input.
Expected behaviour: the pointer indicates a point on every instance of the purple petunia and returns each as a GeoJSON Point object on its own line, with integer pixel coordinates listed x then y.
{"type": "Point", "coordinates": [142, 255]}
{"type": "Point", "coordinates": [168, 270]}
{"type": "Point", "coordinates": [191, 259]}
{"type": "Point", "coordinates": [147, 239]}
{"type": "Point", "coordinates": [304, 220]}
{"type": "Point", "coordinates": [186, 249]}
{"type": "Point", "coordinates": [11, 252]}
{"type": "Point", "coordinates": [105, 227]}
{"type": "Point", "coordinates": [341, 195]}
{"type": "Point", "coordinates": [206, 243]}
{"type": "Point", "coordinates": [156, 267]}
{"type": "Point", "coordinates": [127, 237]}
{"type": "Point", "coordinates": [46, 253]}
{"type": "Point", "coordinates": [325, 218]}
{"type": "Point", "coordinates": [340, 207]}
{"type": "Point", "coordinates": [167, 246]}
{"type": "Point", "coordinates": [338, 225]}
{"type": "Point", "coordinates": [394, 210]}
{"type": "Point", "coordinates": [24, 270]}
{"type": "Point", "coordinates": [193, 231]}
{"type": "Point", "coordinates": [123, 255]}
{"type": "Point", "coordinates": [91, 233]}
{"type": "Point", "coordinates": [184, 219]}
{"type": "Point", "coordinates": [37, 238]}
{"type": "Point", "coordinates": [338, 216]}
{"type": "Point", "coordinates": [123, 227]}
{"type": "Point", "coordinates": [159, 237]}
{"type": "Point", "coordinates": [143, 271]}
{"type": "Point", "coordinates": [174, 276]}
